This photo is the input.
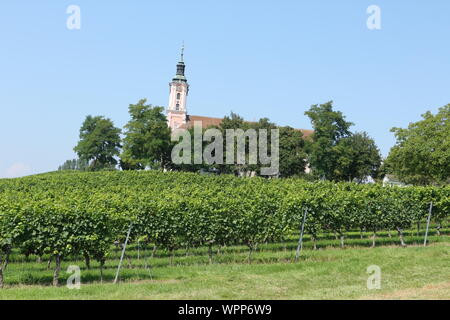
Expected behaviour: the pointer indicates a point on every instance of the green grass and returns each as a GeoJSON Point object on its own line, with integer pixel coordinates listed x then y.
{"type": "Point", "coordinates": [327, 273]}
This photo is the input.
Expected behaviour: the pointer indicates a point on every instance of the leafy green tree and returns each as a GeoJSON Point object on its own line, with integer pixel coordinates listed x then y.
{"type": "Point", "coordinates": [99, 142]}
{"type": "Point", "coordinates": [147, 137]}
{"type": "Point", "coordinates": [192, 166]}
{"type": "Point", "coordinates": [357, 157]}
{"type": "Point", "coordinates": [262, 124]}
{"type": "Point", "coordinates": [292, 153]}
{"type": "Point", "coordinates": [422, 152]}
{"type": "Point", "coordinates": [329, 128]}
{"type": "Point", "coordinates": [291, 143]}
{"type": "Point", "coordinates": [233, 121]}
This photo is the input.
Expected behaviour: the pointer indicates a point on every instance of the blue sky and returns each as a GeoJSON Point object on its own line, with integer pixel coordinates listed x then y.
{"type": "Point", "coordinates": [257, 58]}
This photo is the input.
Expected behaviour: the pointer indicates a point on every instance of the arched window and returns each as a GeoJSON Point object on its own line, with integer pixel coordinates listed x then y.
{"type": "Point", "coordinates": [178, 96]}
{"type": "Point", "coordinates": [177, 107]}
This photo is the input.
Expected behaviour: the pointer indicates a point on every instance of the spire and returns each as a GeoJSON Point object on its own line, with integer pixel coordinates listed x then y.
{"type": "Point", "coordinates": [180, 67]}
{"type": "Point", "coordinates": [182, 52]}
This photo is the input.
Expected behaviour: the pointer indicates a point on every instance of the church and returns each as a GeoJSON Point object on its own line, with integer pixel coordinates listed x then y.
{"type": "Point", "coordinates": [177, 116]}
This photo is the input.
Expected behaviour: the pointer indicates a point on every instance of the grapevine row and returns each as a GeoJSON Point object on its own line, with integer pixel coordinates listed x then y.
{"type": "Point", "coordinates": [63, 214]}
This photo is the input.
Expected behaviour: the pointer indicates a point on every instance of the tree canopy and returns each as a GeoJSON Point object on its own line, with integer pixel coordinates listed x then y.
{"type": "Point", "coordinates": [335, 153]}
{"type": "Point", "coordinates": [357, 157]}
{"type": "Point", "coordinates": [292, 152]}
{"type": "Point", "coordinates": [147, 137]}
{"type": "Point", "coordinates": [421, 154]}
{"type": "Point", "coordinates": [329, 128]}
{"type": "Point", "coordinates": [99, 142]}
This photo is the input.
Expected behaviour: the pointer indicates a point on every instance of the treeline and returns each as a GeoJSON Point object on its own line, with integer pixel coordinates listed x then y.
{"type": "Point", "coordinates": [83, 214]}
{"type": "Point", "coordinates": [333, 152]}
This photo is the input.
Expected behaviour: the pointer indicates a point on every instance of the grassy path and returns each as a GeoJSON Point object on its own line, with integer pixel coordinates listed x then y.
{"type": "Point", "coordinates": [413, 272]}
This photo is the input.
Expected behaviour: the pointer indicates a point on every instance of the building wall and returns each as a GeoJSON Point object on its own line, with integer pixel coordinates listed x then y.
{"type": "Point", "coordinates": [176, 118]}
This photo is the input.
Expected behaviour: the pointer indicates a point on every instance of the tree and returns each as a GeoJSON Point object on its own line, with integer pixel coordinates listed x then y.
{"type": "Point", "coordinates": [233, 121]}
{"type": "Point", "coordinates": [292, 154]}
{"type": "Point", "coordinates": [192, 166]}
{"type": "Point", "coordinates": [75, 164]}
{"type": "Point", "coordinates": [147, 137]}
{"type": "Point", "coordinates": [329, 128]}
{"type": "Point", "coordinates": [99, 142]}
{"type": "Point", "coordinates": [421, 154]}
{"type": "Point", "coordinates": [292, 159]}
{"type": "Point", "coordinates": [262, 124]}
{"type": "Point", "coordinates": [357, 157]}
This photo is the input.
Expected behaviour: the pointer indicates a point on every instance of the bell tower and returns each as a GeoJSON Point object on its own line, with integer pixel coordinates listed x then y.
{"type": "Point", "coordinates": [179, 89]}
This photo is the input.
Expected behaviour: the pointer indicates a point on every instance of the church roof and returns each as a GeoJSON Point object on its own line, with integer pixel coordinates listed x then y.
{"type": "Point", "coordinates": [306, 132]}
{"type": "Point", "coordinates": [209, 121]}
{"type": "Point", "coordinates": [206, 121]}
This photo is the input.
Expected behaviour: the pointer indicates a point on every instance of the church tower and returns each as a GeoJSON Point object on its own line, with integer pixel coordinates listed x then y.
{"type": "Point", "coordinates": [179, 89]}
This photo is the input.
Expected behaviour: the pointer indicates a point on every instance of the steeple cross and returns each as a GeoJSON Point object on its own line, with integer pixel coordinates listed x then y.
{"type": "Point", "coordinates": [182, 52]}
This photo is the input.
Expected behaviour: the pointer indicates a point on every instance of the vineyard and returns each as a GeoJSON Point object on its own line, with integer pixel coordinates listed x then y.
{"type": "Point", "coordinates": [60, 216]}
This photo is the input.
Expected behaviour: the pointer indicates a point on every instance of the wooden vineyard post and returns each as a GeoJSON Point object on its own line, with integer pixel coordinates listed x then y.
{"type": "Point", "coordinates": [428, 224]}
{"type": "Point", "coordinates": [300, 241]}
{"type": "Point", "coordinates": [123, 253]}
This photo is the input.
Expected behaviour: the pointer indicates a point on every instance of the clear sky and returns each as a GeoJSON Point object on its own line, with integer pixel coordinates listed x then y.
{"type": "Point", "coordinates": [258, 58]}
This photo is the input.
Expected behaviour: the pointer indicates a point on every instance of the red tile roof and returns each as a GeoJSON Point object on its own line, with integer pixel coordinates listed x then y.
{"type": "Point", "coordinates": [208, 122]}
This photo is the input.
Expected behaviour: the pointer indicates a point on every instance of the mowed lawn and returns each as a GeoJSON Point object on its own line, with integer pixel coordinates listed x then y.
{"type": "Point", "coordinates": [414, 272]}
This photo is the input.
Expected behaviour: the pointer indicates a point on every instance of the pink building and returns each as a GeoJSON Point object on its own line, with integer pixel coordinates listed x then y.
{"type": "Point", "coordinates": [179, 89]}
